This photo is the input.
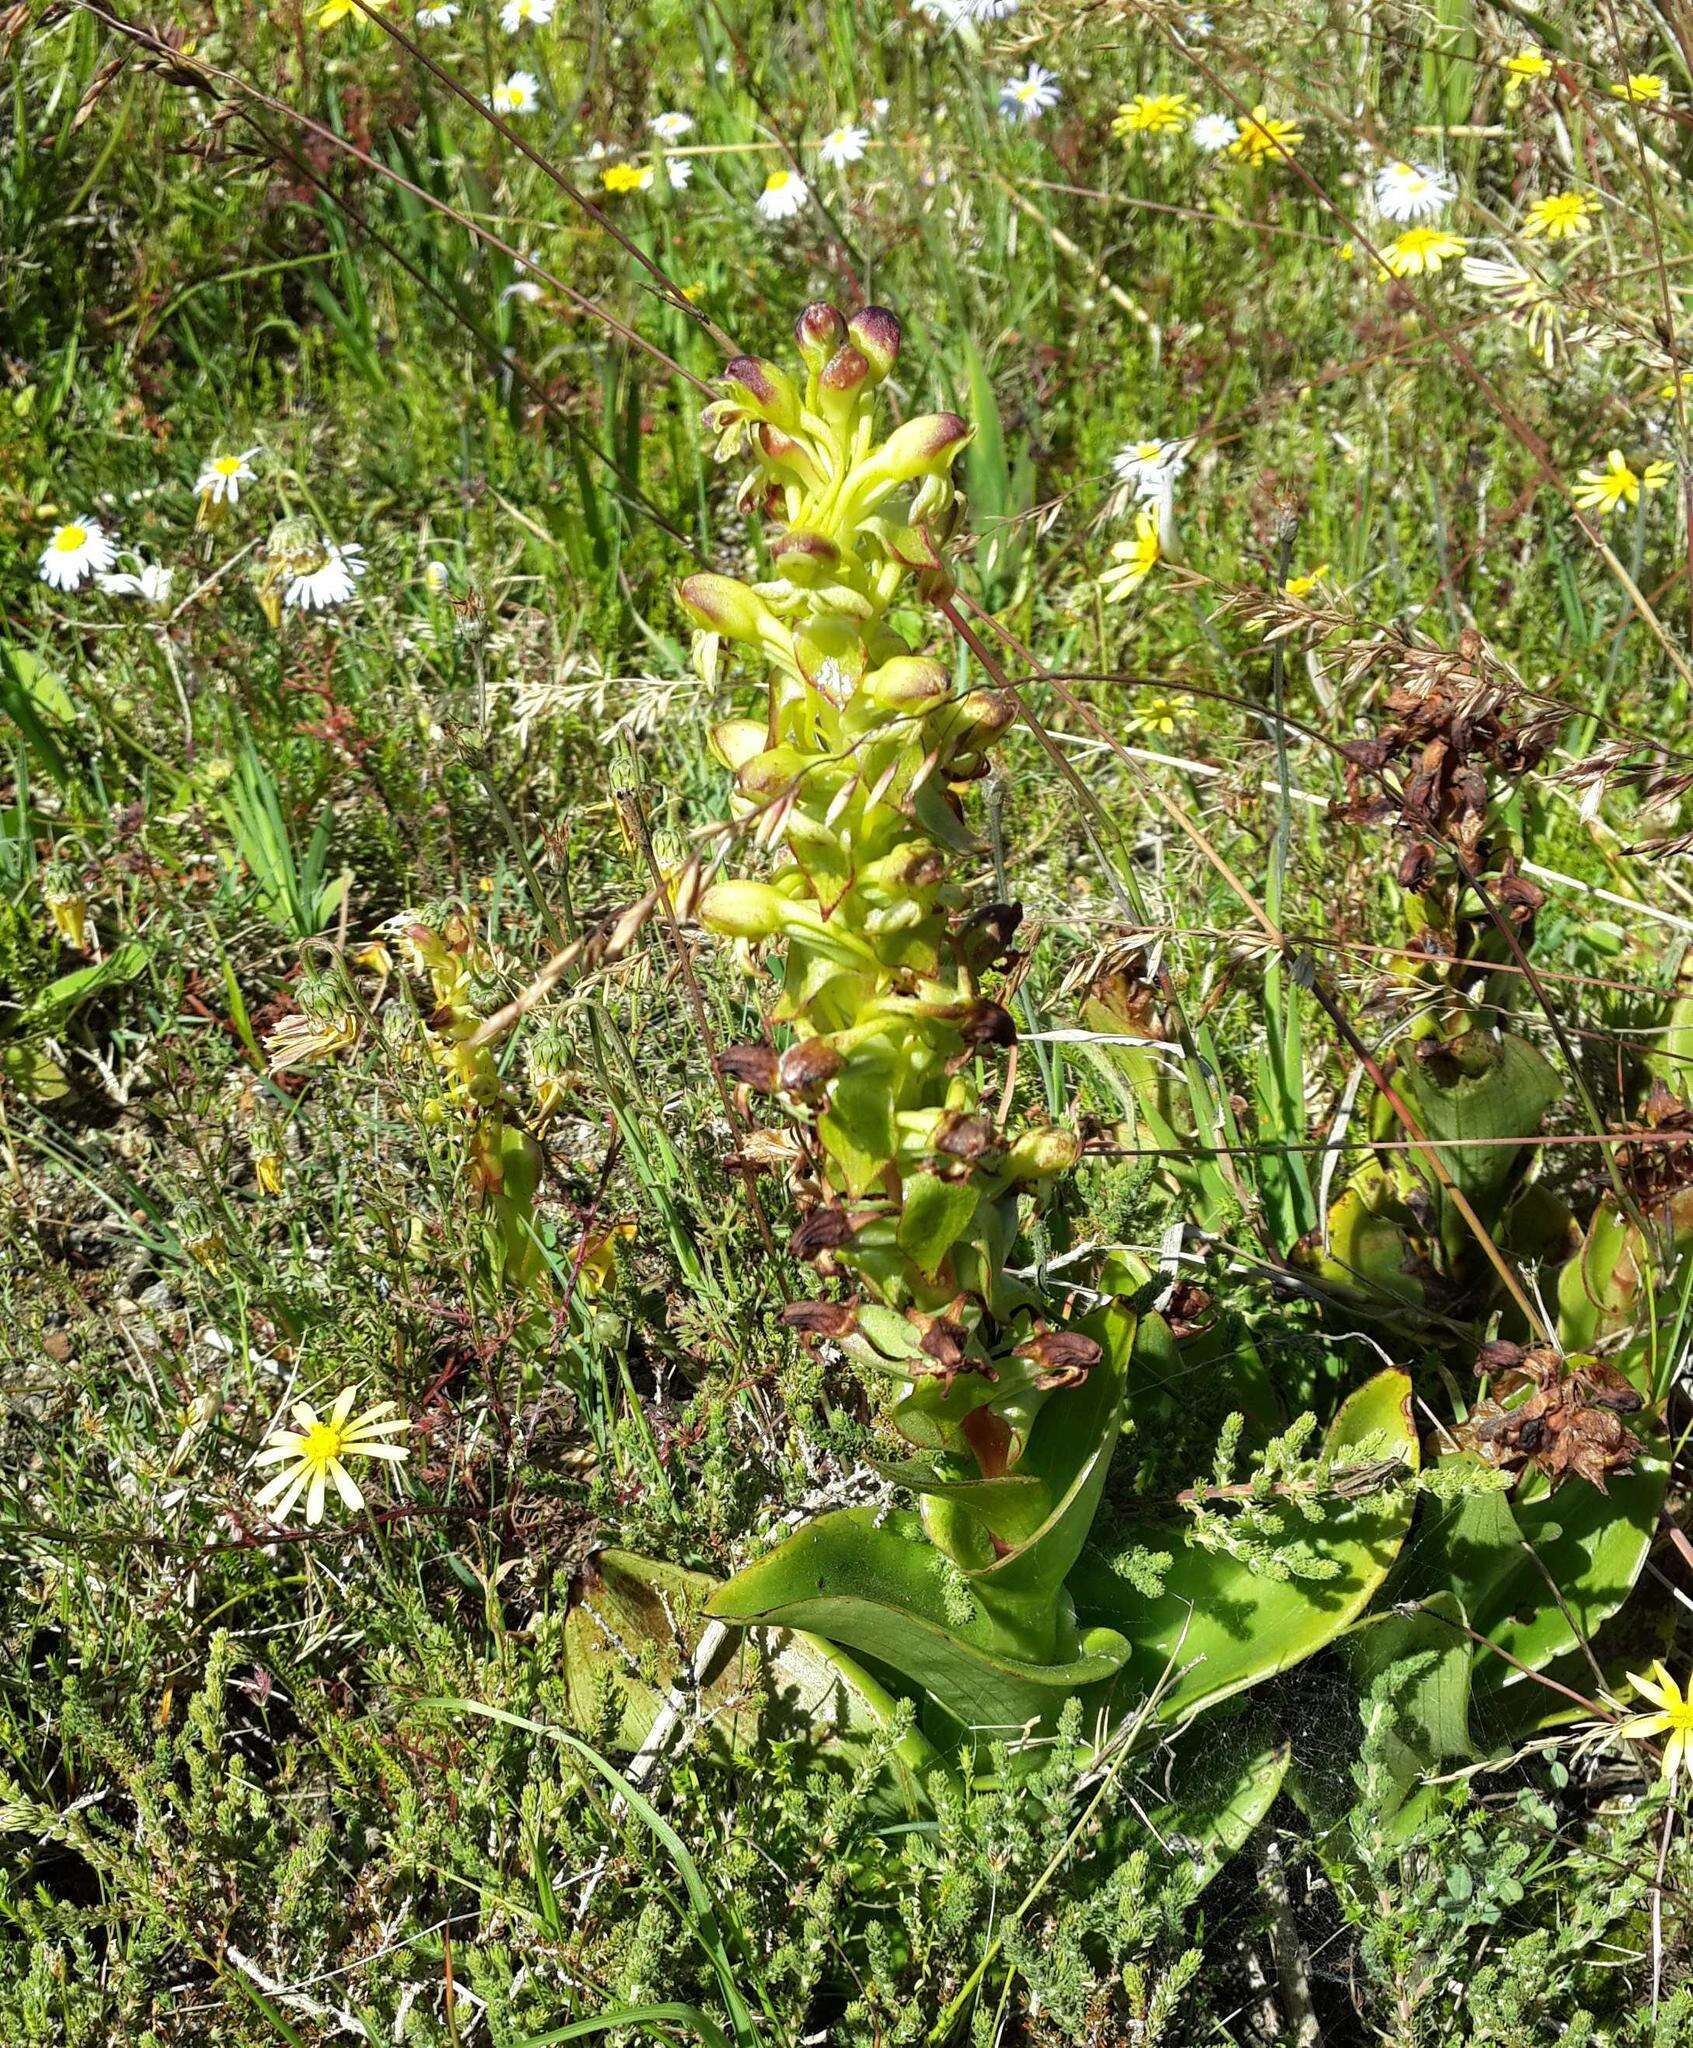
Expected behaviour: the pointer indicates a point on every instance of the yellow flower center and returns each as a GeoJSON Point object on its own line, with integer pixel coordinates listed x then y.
{"type": "Point", "coordinates": [322, 1445]}
{"type": "Point", "coordinates": [226, 465]}
{"type": "Point", "coordinates": [69, 538]}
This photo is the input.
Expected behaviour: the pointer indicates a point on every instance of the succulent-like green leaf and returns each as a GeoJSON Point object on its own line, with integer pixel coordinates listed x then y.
{"type": "Point", "coordinates": [880, 1587]}
{"type": "Point", "coordinates": [635, 1626]}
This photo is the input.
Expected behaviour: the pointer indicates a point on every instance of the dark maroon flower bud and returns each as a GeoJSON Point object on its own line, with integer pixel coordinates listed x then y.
{"type": "Point", "coordinates": [986, 1023]}
{"type": "Point", "coordinates": [822, 1318]}
{"type": "Point", "coordinates": [753, 1066]}
{"type": "Point", "coordinates": [807, 1066]}
{"type": "Point", "coordinates": [1499, 1356]}
{"type": "Point", "coordinates": [1063, 1358]}
{"type": "Point", "coordinates": [842, 380]}
{"type": "Point", "coordinates": [819, 331]}
{"type": "Point", "coordinates": [824, 1230]}
{"type": "Point", "coordinates": [875, 333]}
{"type": "Point", "coordinates": [968, 1138]}
{"type": "Point", "coordinates": [944, 1343]}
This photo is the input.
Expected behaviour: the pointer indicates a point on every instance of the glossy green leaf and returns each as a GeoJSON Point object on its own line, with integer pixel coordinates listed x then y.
{"type": "Point", "coordinates": [880, 1587]}
{"type": "Point", "coordinates": [635, 1626]}
{"type": "Point", "coordinates": [935, 1216]}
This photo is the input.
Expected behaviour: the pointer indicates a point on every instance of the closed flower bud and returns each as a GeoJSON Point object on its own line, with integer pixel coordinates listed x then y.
{"type": "Point", "coordinates": [922, 446]}
{"type": "Point", "coordinates": [1039, 1154]}
{"type": "Point", "coordinates": [723, 605]}
{"type": "Point", "coordinates": [805, 558]}
{"type": "Point", "coordinates": [875, 333]}
{"type": "Point", "coordinates": [909, 682]}
{"type": "Point", "coordinates": [821, 1318]}
{"type": "Point", "coordinates": [743, 910]}
{"type": "Point", "coordinates": [843, 379]}
{"type": "Point", "coordinates": [819, 331]}
{"type": "Point", "coordinates": [751, 1066]}
{"type": "Point", "coordinates": [806, 1067]}
{"type": "Point", "coordinates": [737, 741]}
{"type": "Point", "coordinates": [763, 389]}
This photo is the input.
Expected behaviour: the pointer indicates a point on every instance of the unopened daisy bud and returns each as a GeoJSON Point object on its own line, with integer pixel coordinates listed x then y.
{"type": "Point", "coordinates": [875, 333]}
{"type": "Point", "coordinates": [819, 331]}
{"type": "Point", "coordinates": [723, 605]}
{"type": "Point", "coordinates": [743, 910]}
{"type": "Point", "coordinates": [805, 558]}
{"type": "Point", "coordinates": [1039, 1154]}
{"type": "Point", "coordinates": [808, 1066]}
{"type": "Point", "coordinates": [66, 904]}
{"type": "Point", "coordinates": [821, 1318]}
{"type": "Point", "coordinates": [749, 1066]}
{"type": "Point", "coordinates": [909, 682]}
{"type": "Point", "coordinates": [764, 389]}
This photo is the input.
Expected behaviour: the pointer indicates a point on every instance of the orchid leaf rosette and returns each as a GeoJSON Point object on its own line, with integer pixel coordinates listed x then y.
{"type": "Point", "coordinates": [887, 1056]}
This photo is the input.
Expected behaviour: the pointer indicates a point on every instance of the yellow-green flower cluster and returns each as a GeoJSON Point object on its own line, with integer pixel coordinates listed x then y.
{"type": "Point", "coordinates": [854, 778]}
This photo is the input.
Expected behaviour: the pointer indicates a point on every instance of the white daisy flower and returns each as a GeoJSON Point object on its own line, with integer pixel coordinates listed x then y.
{"type": "Point", "coordinates": [151, 582]}
{"type": "Point", "coordinates": [1412, 191]}
{"type": "Point", "coordinates": [516, 14]}
{"type": "Point", "coordinates": [1027, 98]}
{"type": "Point", "coordinates": [1151, 468]}
{"type": "Point", "coordinates": [671, 127]}
{"type": "Point", "coordinates": [440, 16]}
{"type": "Point", "coordinates": [79, 549]}
{"type": "Point", "coordinates": [679, 170]}
{"type": "Point", "coordinates": [843, 146]}
{"type": "Point", "coordinates": [518, 94]}
{"type": "Point", "coordinates": [1212, 133]}
{"type": "Point", "coordinates": [879, 109]}
{"type": "Point", "coordinates": [330, 583]}
{"type": "Point", "coordinates": [523, 286]}
{"type": "Point", "coordinates": [784, 194]}
{"type": "Point", "coordinates": [221, 477]}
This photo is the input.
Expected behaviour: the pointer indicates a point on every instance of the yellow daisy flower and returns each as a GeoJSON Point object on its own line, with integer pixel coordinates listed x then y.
{"type": "Point", "coordinates": [1153, 113]}
{"type": "Point", "coordinates": [1672, 1716]}
{"type": "Point", "coordinates": [1157, 715]}
{"type": "Point", "coordinates": [314, 1453]}
{"type": "Point", "coordinates": [1603, 490]}
{"type": "Point", "coordinates": [1560, 216]}
{"type": "Point", "coordinates": [626, 177]}
{"type": "Point", "coordinates": [1302, 586]}
{"type": "Point", "coordinates": [1262, 139]}
{"type": "Point", "coordinates": [1420, 252]}
{"type": "Point", "coordinates": [1132, 561]}
{"type": "Point", "coordinates": [1526, 67]}
{"type": "Point", "coordinates": [334, 11]}
{"type": "Point", "coordinates": [1642, 89]}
